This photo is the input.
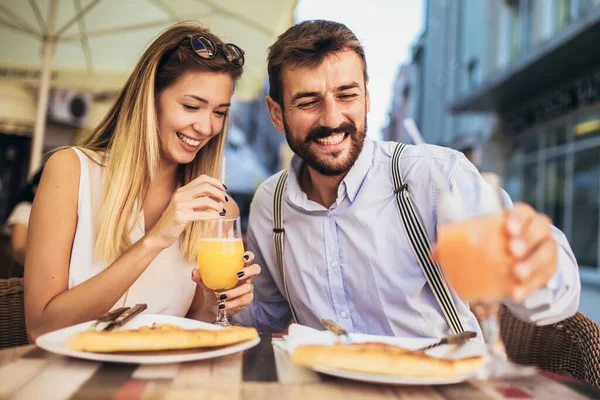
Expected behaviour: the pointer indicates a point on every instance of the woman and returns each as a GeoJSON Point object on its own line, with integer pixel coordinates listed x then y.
{"type": "Point", "coordinates": [18, 220]}
{"type": "Point", "coordinates": [113, 220]}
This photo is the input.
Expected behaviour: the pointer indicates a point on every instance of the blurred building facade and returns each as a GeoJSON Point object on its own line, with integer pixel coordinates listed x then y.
{"type": "Point", "coordinates": [404, 102]}
{"type": "Point", "coordinates": [516, 85]}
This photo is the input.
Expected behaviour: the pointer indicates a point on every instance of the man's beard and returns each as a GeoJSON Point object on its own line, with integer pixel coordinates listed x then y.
{"type": "Point", "coordinates": [326, 165]}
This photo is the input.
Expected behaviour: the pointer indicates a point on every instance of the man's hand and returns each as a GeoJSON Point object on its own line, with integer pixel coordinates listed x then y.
{"type": "Point", "coordinates": [531, 243]}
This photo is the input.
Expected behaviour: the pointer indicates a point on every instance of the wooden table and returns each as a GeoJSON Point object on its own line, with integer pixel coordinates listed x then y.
{"type": "Point", "coordinates": [263, 372]}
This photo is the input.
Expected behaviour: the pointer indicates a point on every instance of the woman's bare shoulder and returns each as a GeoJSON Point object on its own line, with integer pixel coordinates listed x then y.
{"type": "Point", "coordinates": [61, 171]}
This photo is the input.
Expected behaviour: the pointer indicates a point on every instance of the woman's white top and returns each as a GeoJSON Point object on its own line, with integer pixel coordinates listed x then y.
{"type": "Point", "coordinates": [165, 286]}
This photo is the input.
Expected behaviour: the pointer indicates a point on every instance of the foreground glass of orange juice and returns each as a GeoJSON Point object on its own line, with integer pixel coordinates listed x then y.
{"type": "Point", "coordinates": [472, 250]}
{"type": "Point", "coordinates": [220, 257]}
{"type": "Point", "coordinates": [475, 258]}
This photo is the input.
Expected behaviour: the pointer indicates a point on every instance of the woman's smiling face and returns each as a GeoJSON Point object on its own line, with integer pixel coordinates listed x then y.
{"type": "Point", "coordinates": [192, 111]}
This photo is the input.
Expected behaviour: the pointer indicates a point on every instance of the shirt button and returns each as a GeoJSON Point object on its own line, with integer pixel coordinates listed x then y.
{"type": "Point", "coordinates": [344, 314]}
{"type": "Point", "coordinates": [333, 264]}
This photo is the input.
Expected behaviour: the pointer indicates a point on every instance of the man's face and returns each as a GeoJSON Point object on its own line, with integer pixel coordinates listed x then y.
{"type": "Point", "coordinates": [325, 112]}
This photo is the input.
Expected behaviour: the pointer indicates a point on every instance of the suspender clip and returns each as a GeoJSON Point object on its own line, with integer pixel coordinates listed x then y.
{"type": "Point", "coordinates": [401, 189]}
{"type": "Point", "coordinates": [278, 230]}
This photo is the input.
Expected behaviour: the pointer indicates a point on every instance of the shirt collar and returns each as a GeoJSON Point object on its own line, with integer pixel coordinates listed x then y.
{"type": "Point", "coordinates": [359, 170]}
{"type": "Point", "coordinates": [352, 181]}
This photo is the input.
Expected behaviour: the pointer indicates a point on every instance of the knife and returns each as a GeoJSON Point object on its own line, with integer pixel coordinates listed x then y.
{"type": "Point", "coordinates": [459, 339]}
{"type": "Point", "coordinates": [126, 317]}
{"type": "Point", "coordinates": [109, 316]}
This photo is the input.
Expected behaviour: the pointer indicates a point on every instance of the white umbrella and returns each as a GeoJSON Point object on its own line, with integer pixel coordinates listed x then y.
{"type": "Point", "coordinates": [93, 44]}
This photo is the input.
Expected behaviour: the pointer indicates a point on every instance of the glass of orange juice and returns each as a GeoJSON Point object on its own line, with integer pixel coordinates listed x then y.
{"type": "Point", "coordinates": [220, 257]}
{"type": "Point", "coordinates": [472, 249]}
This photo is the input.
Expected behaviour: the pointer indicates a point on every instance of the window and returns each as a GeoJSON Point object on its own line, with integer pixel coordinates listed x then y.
{"type": "Point", "coordinates": [530, 184]}
{"type": "Point", "coordinates": [512, 183]}
{"type": "Point", "coordinates": [515, 29]}
{"type": "Point", "coordinates": [563, 13]}
{"type": "Point", "coordinates": [586, 197]}
{"type": "Point", "coordinates": [586, 5]}
{"type": "Point", "coordinates": [554, 190]}
{"type": "Point", "coordinates": [529, 143]}
{"type": "Point", "coordinates": [406, 92]}
{"type": "Point", "coordinates": [556, 136]}
{"type": "Point", "coordinates": [556, 169]}
{"type": "Point", "coordinates": [474, 73]}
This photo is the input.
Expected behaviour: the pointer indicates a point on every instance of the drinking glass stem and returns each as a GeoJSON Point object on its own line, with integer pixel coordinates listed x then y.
{"type": "Point", "coordinates": [491, 329]}
{"type": "Point", "coordinates": [221, 314]}
{"type": "Point", "coordinates": [222, 317]}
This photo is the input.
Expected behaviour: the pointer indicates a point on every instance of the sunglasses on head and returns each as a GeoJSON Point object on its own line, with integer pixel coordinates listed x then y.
{"type": "Point", "coordinates": [207, 49]}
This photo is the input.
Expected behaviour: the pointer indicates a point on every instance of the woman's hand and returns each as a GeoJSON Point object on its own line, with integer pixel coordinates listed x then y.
{"type": "Point", "coordinates": [200, 199]}
{"type": "Point", "coordinates": [236, 298]}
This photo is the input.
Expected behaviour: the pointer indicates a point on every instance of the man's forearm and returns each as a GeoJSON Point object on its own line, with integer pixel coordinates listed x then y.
{"type": "Point", "coordinates": [265, 316]}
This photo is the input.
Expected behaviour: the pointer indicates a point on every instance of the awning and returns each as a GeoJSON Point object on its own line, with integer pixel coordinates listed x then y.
{"type": "Point", "coordinates": [568, 55]}
{"type": "Point", "coordinates": [83, 43]}
{"type": "Point", "coordinates": [99, 41]}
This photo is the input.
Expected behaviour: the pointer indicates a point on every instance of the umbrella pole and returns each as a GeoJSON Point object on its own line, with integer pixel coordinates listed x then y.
{"type": "Point", "coordinates": [42, 106]}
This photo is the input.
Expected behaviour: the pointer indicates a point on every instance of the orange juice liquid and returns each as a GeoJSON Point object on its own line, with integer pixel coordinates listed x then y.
{"type": "Point", "coordinates": [219, 261]}
{"type": "Point", "coordinates": [475, 258]}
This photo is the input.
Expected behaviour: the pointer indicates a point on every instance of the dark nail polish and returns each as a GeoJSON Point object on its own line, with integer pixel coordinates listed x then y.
{"type": "Point", "coordinates": [240, 274]}
{"type": "Point", "coordinates": [246, 257]}
{"type": "Point", "coordinates": [223, 296]}
{"type": "Point", "coordinates": [221, 306]}
{"type": "Point", "coordinates": [225, 186]}
{"type": "Point", "coordinates": [226, 199]}
{"type": "Point", "coordinates": [222, 213]}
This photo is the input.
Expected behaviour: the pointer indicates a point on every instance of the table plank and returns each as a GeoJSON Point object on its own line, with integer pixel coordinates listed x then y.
{"type": "Point", "coordinates": [156, 390]}
{"type": "Point", "coordinates": [14, 353]}
{"type": "Point", "coordinates": [536, 387]}
{"type": "Point", "coordinates": [215, 378]}
{"type": "Point", "coordinates": [289, 372]}
{"type": "Point", "coordinates": [346, 390]}
{"type": "Point", "coordinates": [463, 391]}
{"type": "Point", "coordinates": [29, 372]}
{"type": "Point", "coordinates": [259, 362]}
{"type": "Point", "coordinates": [58, 380]}
{"type": "Point", "coordinates": [17, 374]}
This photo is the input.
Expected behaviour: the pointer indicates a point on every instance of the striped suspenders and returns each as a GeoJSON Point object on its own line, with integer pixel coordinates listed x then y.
{"type": "Point", "coordinates": [419, 241]}
{"type": "Point", "coordinates": [278, 233]}
{"type": "Point", "coordinates": [415, 233]}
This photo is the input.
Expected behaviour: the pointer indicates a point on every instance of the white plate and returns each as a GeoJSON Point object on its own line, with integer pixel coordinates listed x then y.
{"type": "Point", "coordinates": [55, 342]}
{"type": "Point", "coordinates": [470, 349]}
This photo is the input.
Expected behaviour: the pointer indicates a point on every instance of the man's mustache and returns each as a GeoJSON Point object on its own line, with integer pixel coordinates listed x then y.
{"type": "Point", "coordinates": [322, 131]}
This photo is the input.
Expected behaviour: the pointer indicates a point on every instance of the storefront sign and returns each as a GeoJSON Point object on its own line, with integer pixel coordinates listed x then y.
{"type": "Point", "coordinates": [579, 93]}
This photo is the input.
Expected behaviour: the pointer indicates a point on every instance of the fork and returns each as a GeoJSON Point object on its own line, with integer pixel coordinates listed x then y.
{"type": "Point", "coordinates": [339, 331]}
{"type": "Point", "coordinates": [459, 339]}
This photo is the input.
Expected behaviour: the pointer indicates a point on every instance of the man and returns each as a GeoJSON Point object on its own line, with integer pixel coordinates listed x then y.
{"type": "Point", "coordinates": [346, 255]}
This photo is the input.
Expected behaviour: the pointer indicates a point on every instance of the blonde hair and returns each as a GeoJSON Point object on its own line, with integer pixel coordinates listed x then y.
{"type": "Point", "coordinates": [127, 143]}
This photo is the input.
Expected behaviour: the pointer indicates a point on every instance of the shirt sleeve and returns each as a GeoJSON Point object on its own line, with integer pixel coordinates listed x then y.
{"type": "Point", "coordinates": [270, 311]}
{"type": "Point", "coordinates": [19, 215]}
{"type": "Point", "coordinates": [559, 298]}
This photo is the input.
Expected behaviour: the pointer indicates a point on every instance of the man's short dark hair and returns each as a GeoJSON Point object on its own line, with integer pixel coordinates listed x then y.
{"type": "Point", "coordinates": [306, 45]}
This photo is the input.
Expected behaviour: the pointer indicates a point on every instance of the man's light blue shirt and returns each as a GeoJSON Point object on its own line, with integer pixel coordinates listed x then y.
{"type": "Point", "coordinates": [352, 262]}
